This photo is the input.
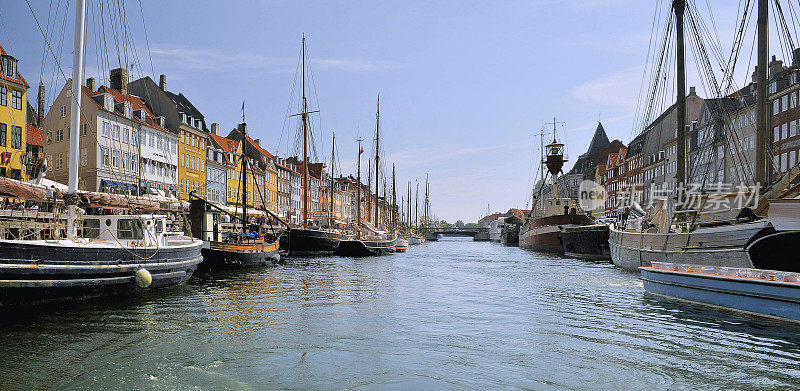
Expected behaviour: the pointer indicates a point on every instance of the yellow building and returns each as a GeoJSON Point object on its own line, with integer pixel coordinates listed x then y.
{"type": "Point", "coordinates": [191, 161]}
{"type": "Point", "coordinates": [13, 118]}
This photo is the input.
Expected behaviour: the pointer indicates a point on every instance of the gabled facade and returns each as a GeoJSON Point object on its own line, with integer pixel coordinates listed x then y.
{"type": "Point", "coordinates": [184, 120]}
{"type": "Point", "coordinates": [13, 118]}
{"type": "Point", "coordinates": [124, 148]}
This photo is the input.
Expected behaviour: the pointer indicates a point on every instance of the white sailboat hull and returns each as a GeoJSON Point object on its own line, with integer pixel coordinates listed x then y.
{"type": "Point", "coordinates": [717, 246]}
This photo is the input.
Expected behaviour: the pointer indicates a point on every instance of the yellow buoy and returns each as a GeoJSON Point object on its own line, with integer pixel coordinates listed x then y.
{"type": "Point", "coordinates": [143, 278]}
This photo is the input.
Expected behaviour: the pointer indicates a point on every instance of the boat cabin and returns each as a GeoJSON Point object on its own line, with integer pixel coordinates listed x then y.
{"type": "Point", "coordinates": [127, 230]}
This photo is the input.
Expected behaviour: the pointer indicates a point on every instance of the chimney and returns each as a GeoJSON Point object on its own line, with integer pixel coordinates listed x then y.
{"type": "Point", "coordinates": [40, 105]}
{"type": "Point", "coordinates": [258, 141]}
{"type": "Point", "coordinates": [119, 80]}
{"type": "Point", "coordinates": [796, 57]}
{"type": "Point", "coordinates": [775, 66]}
{"type": "Point", "coordinates": [214, 127]}
{"type": "Point", "coordinates": [755, 74]}
{"type": "Point", "coordinates": [692, 91]}
{"type": "Point", "coordinates": [90, 84]}
{"type": "Point", "coordinates": [162, 82]}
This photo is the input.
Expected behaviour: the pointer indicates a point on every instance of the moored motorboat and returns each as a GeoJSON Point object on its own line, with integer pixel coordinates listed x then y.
{"type": "Point", "coordinates": [414, 240]}
{"type": "Point", "coordinates": [756, 291]}
{"type": "Point", "coordinates": [401, 245]}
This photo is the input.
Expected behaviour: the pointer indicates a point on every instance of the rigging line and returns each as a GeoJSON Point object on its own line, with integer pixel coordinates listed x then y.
{"type": "Point", "coordinates": [146, 39]}
{"type": "Point", "coordinates": [645, 72]}
{"type": "Point", "coordinates": [738, 40]}
{"type": "Point", "coordinates": [47, 29]}
{"type": "Point", "coordinates": [784, 26]}
{"type": "Point", "coordinates": [794, 17]}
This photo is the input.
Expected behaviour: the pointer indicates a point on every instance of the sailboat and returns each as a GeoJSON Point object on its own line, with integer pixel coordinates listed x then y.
{"type": "Point", "coordinates": [719, 279]}
{"type": "Point", "coordinates": [101, 255]}
{"type": "Point", "coordinates": [304, 240]}
{"type": "Point", "coordinates": [700, 237]}
{"type": "Point", "coordinates": [549, 217]}
{"type": "Point", "coordinates": [376, 241]}
{"type": "Point", "coordinates": [246, 245]}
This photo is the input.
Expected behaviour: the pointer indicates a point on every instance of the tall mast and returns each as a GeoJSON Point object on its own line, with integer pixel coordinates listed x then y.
{"type": "Point", "coordinates": [369, 190]}
{"type": "Point", "coordinates": [358, 191]}
{"type": "Point", "coordinates": [305, 135]}
{"type": "Point", "coordinates": [377, 158]}
{"type": "Point", "coordinates": [244, 176]}
{"type": "Point", "coordinates": [679, 7]}
{"type": "Point", "coordinates": [394, 199]}
{"type": "Point", "coordinates": [330, 193]}
{"type": "Point", "coordinates": [763, 130]}
{"type": "Point", "coordinates": [416, 207]}
{"type": "Point", "coordinates": [426, 216]}
{"type": "Point", "coordinates": [75, 119]}
{"type": "Point", "coordinates": [408, 210]}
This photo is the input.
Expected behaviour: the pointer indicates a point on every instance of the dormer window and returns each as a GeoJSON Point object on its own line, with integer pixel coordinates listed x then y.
{"type": "Point", "coordinates": [198, 124]}
{"type": "Point", "coordinates": [127, 109]}
{"type": "Point", "coordinates": [139, 114]}
{"type": "Point", "coordinates": [183, 117]}
{"type": "Point", "coordinates": [9, 66]}
{"type": "Point", "coordinates": [188, 120]}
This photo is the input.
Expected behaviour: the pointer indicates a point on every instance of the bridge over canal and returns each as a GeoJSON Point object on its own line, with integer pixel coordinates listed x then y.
{"type": "Point", "coordinates": [431, 233]}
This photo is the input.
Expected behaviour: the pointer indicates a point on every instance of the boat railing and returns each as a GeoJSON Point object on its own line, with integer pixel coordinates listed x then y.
{"type": "Point", "coordinates": [738, 272]}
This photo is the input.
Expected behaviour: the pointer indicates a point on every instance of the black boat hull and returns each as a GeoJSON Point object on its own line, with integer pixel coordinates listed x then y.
{"type": "Point", "coordinates": [510, 235]}
{"type": "Point", "coordinates": [42, 274]}
{"type": "Point", "coordinates": [587, 242]}
{"type": "Point", "coordinates": [222, 257]}
{"type": "Point", "coordinates": [300, 241]}
{"type": "Point", "coordinates": [359, 248]}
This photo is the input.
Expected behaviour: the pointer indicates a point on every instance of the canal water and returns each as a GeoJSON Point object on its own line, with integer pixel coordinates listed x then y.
{"type": "Point", "coordinates": [449, 315]}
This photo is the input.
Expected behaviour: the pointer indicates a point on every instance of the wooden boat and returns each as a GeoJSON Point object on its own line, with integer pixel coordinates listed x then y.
{"type": "Point", "coordinates": [224, 245]}
{"type": "Point", "coordinates": [768, 293]}
{"type": "Point", "coordinates": [586, 242]}
{"type": "Point", "coordinates": [242, 244]}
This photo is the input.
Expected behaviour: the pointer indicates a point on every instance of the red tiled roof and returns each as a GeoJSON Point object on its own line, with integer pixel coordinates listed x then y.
{"type": "Point", "coordinates": [136, 104]}
{"type": "Point", "coordinates": [34, 136]}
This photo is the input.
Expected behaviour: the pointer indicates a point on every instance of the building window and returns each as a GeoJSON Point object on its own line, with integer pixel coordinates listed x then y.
{"type": "Point", "coordinates": [59, 161]}
{"type": "Point", "coordinates": [16, 137]}
{"type": "Point", "coordinates": [3, 134]}
{"type": "Point", "coordinates": [3, 96]}
{"type": "Point", "coordinates": [776, 106]}
{"type": "Point", "coordinates": [106, 128]}
{"type": "Point", "coordinates": [16, 99]}
{"type": "Point", "coordinates": [104, 158]}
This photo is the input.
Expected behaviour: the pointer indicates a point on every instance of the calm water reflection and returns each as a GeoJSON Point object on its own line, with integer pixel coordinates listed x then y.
{"type": "Point", "coordinates": [453, 314]}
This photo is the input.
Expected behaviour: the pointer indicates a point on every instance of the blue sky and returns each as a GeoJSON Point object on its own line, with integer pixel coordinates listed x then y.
{"type": "Point", "coordinates": [464, 85]}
